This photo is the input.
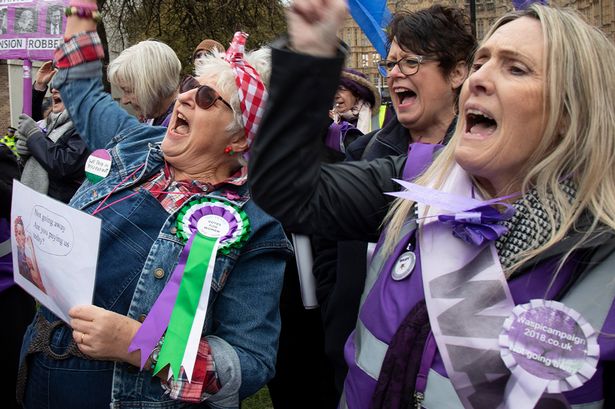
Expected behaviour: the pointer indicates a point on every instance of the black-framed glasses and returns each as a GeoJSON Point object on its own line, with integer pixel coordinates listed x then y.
{"type": "Point", "coordinates": [205, 97]}
{"type": "Point", "coordinates": [407, 65]}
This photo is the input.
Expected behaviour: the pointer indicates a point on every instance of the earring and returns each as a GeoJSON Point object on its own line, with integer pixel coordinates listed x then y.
{"type": "Point", "coordinates": [229, 151]}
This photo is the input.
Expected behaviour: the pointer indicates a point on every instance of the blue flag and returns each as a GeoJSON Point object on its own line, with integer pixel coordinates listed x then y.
{"type": "Point", "coordinates": [372, 16]}
{"type": "Point", "coordinates": [523, 4]}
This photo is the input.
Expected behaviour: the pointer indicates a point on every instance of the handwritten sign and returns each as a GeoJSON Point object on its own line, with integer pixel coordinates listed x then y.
{"type": "Point", "coordinates": [31, 29]}
{"type": "Point", "coordinates": [55, 250]}
{"type": "Point", "coordinates": [51, 232]}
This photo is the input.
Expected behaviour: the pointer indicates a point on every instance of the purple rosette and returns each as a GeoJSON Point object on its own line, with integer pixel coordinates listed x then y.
{"type": "Point", "coordinates": [479, 225]}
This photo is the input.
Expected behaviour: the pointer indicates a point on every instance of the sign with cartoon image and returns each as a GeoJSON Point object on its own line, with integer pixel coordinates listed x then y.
{"type": "Point", "coordinates": [55, 250]}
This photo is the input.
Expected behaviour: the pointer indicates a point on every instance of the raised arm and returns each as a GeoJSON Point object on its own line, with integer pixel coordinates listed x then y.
{"type": "Point", "coordinates": [96, 116]}
{"type": "Point", "coordinates": [287, 180]}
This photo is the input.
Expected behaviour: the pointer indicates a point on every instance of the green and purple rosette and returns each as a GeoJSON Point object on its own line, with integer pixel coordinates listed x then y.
{"type": "Point", "coordinates": [209, 226]}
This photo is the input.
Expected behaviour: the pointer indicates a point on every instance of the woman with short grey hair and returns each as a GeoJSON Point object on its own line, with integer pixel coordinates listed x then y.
{"type": "Point", "coordinates": [148, 75]}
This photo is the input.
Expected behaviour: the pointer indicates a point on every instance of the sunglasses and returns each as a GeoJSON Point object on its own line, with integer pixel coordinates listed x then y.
{"type": "Point", "coordinates": [205, 95]}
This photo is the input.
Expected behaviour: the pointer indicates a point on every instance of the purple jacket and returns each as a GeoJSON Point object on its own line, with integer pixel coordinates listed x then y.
{"type": "Point", "coordinates": [386, 303]}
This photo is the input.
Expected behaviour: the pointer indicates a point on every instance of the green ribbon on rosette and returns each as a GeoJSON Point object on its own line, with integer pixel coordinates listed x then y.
{"type": "Point", "coordinates": [209, 226]}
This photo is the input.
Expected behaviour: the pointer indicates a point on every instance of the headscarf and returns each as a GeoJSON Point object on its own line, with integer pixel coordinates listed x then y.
{"type": "Point", "coordinates": [250, 87]}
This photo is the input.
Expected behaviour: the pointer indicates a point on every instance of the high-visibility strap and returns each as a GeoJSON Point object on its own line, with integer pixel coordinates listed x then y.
{"type": "Point", "coordinates": [370, 351]}
{"type": "Point", "coordinates": [592, 295]}
{"type": "Point", "coordinates": [5, 247]}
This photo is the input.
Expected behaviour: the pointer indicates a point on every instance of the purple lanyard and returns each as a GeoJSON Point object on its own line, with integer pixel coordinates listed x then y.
{"type": "Point", "coordinates": [429, 353]}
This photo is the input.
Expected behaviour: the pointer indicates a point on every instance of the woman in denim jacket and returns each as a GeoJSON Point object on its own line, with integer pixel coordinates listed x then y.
{"type": "Point", "coordinates": [154, 172]}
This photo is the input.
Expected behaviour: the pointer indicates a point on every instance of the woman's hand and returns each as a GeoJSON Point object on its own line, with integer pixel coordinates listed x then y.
{"type": "Point", "coordinates": [334, 114]}
{"type": "Point", "coordinates": [104, 334]}
{"type": "Point", "coordinates": [44, 76]}
{"type": "Point", "coordinates": [76, 24]}
{"type": "Point", "coordinates": [313, 25]}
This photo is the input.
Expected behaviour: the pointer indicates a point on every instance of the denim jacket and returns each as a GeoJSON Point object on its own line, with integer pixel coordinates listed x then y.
{"type": "Point", "coordinates": [139, 250]}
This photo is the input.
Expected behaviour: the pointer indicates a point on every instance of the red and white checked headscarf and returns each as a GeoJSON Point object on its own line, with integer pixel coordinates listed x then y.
{"type": "Point", "coordinates": [252, 93]}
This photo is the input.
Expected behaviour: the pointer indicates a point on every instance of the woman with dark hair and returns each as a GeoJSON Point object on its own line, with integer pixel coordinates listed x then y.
{"type": "Point", "coordinates": [425, 67]}
{"type": "Point", "coordinates": [51, 149]}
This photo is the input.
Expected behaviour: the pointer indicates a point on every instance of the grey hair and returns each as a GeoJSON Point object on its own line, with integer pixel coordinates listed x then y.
{"type": "Point", "coordinates": [214, 65]}
{"type": "Point", "coordinates": [151, 70]}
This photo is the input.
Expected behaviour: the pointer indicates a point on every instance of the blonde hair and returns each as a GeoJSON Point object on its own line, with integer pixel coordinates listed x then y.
{"type": "Point", "coordinates": [214, 65]}
{"type": "Point", "coordinates": [151, 70]}
{"type": "Point", "coordinates": [579, 133]}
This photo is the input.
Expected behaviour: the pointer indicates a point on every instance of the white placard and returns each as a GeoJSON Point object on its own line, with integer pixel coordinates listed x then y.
{"type": "Point", "coordinates": [55, 250]}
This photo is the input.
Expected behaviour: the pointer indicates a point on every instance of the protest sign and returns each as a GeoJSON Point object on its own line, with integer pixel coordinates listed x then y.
{"type": "Point", "coordinates": [31, 30]}
{"type": "Point", "coordinates": [55, 250]}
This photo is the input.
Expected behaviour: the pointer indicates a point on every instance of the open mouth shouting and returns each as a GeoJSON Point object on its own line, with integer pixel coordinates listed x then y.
{"type": "Point", "coordinates": [405, 96]}
{"type": "Point", "coordinates": [182, 126]}
{"type": "Point", "coordinates": [479, 123]}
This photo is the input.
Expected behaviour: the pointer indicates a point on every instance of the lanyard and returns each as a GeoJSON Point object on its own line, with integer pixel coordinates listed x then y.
{"type": "Point", "coordinates": [101, 207]}
{"type": "Point", "coordinates": [429, 353]}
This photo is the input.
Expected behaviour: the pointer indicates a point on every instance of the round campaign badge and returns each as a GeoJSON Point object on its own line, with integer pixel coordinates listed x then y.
{"type": "Point", "coordinates": [98, 165]}
{"type": "Point", "coordinates": [550, 341]}
{"type": "Point", "coordinates": [212, 225]}
{"type": "Point", "coordinates": [404, 266]}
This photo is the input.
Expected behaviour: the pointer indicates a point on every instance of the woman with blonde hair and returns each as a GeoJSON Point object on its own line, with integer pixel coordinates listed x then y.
{"type": "Point", "coordinates": [492, 283]}
{"type": "Point", "coordinates": [148, 75]}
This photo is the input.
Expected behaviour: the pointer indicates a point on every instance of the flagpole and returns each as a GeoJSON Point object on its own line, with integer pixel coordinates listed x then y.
{"type": "Point", "coordinates": [27, 87]}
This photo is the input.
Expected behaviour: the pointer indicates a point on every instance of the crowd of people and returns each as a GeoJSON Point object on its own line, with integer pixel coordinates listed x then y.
{"type": "Point", "coordinates": [462, 253]}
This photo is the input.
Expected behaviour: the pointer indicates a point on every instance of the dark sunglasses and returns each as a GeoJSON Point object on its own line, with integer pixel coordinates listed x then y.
{"type": "Point", "coordinates": [205, 95]}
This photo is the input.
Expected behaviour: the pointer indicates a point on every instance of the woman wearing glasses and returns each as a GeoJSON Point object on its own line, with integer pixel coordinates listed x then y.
{"type": "Point", "coordinates": [492, 284]}
{"type": "Point", "coordinates": [189, 269]}
{"type": "Point", "coordinates": [424, 72]}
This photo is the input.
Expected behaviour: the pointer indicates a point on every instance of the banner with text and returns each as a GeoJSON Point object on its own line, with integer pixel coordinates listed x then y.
{"type": "Point", "coordinates": [31, 30]}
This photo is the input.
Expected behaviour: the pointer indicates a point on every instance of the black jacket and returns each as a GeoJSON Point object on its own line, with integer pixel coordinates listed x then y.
{"type": "Point", "coordinates": [64, 160]}
{"type": "Point", "coordinates": [342, 200]}
{"type": "Point", "coordinates": [9, 170]}
{"type": "Point", "coordinates": [393, 139]}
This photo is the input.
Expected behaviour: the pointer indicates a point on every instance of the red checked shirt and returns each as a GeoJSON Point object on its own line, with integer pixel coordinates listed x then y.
{"type": "Point", "coordinates": [86, 47]}
{"type": "Point", "coordinates": [172, 194]}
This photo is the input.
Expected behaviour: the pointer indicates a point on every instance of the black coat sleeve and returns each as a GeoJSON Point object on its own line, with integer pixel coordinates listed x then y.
{"type": "Point", "coordinates": [37, 103]}
{"type": "Point", "coordinates": [63, 159]}
{"type": "Point", "coordinates": [342, 200]}
{"type": "Point", "coordinates": [9, 170]}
